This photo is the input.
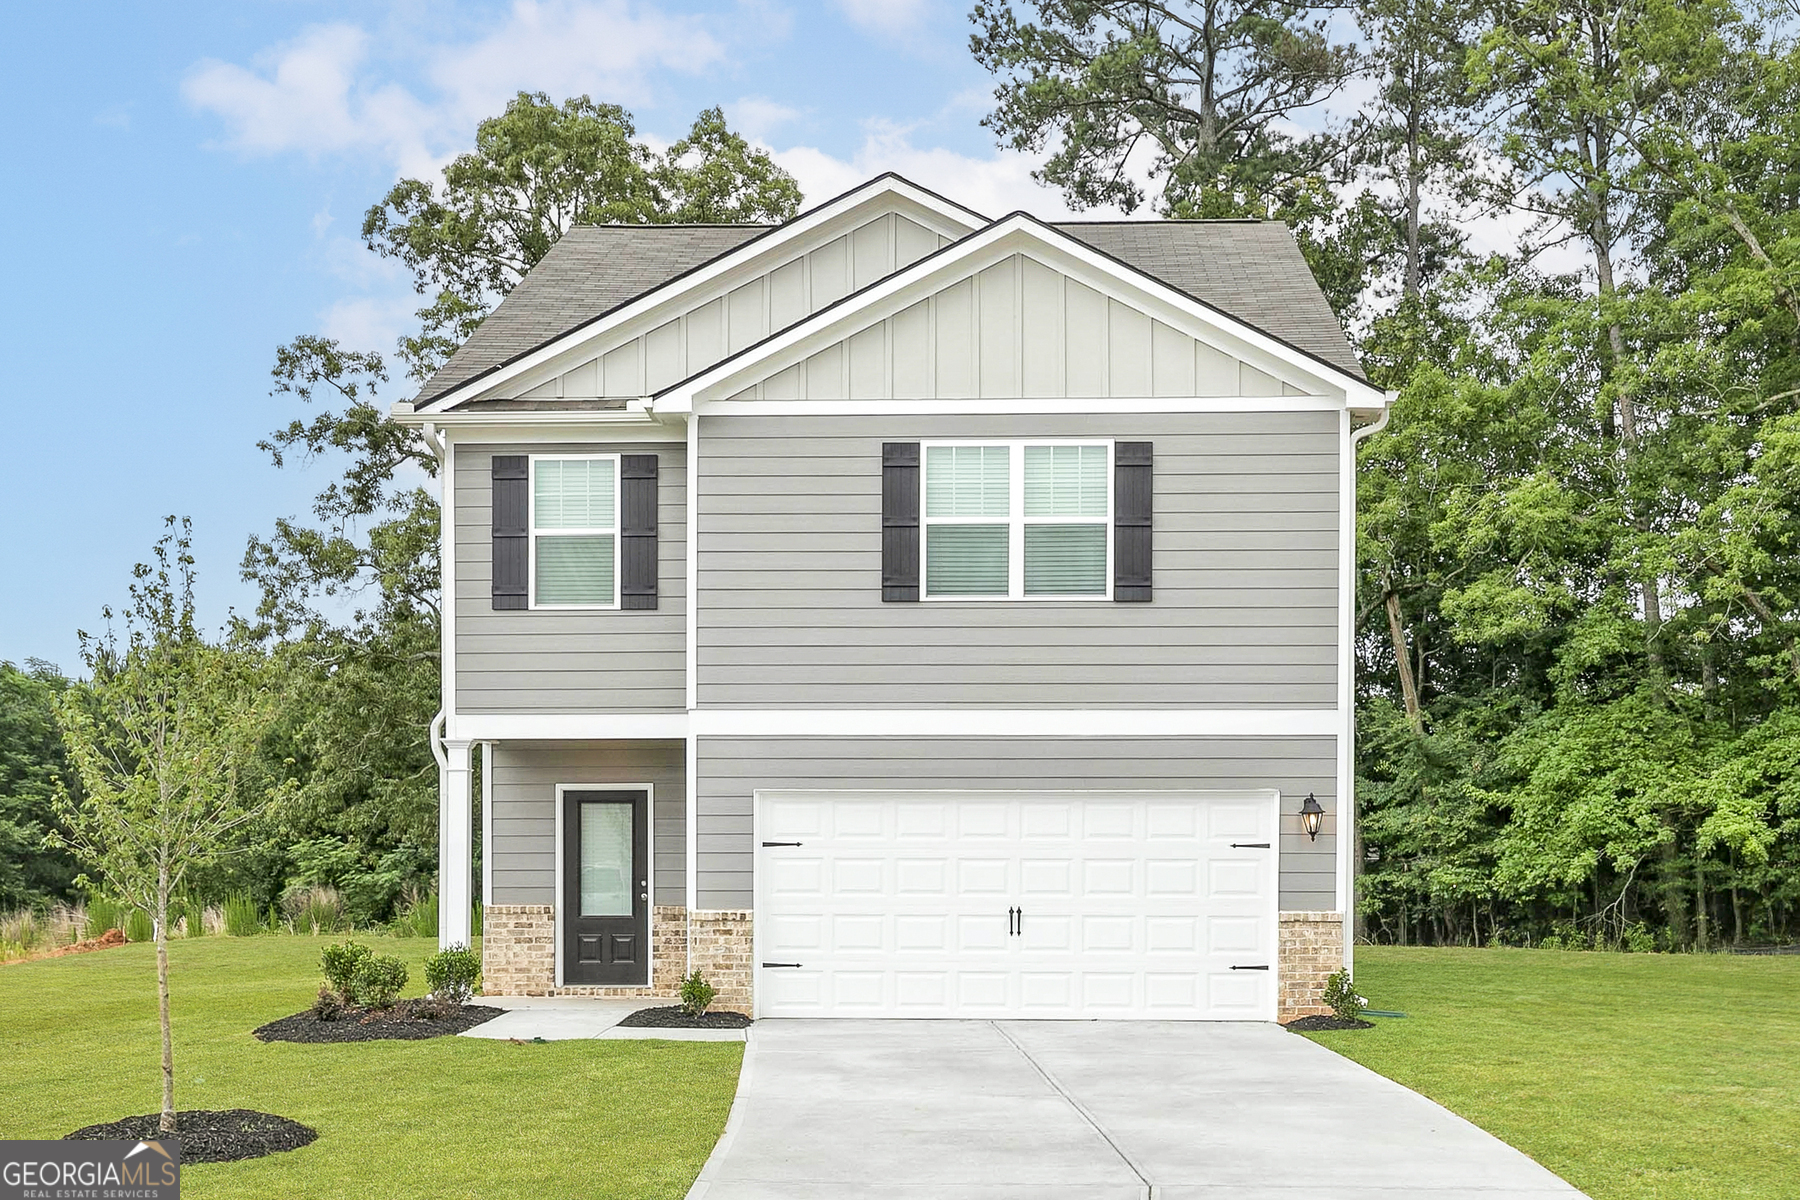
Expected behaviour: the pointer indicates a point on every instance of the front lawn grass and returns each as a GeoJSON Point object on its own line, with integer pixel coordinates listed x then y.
{"type": "Point", "coordinates": [449, 1117]}
{"type": "Point", "coordinates": [1633, 1076]}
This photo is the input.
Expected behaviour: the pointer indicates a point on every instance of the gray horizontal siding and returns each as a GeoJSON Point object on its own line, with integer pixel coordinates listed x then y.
{"type": "Point", "coordinates": [1246, 574]}
{"type": "Point", "coordinates": [523, 849]}
{"type": "Point", "coordinates": [559, 662]}
{"type": "Point", "coordinates": [731, 769]}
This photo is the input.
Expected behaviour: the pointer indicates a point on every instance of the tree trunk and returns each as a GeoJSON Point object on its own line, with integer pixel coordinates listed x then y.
{"type": "Point", "coordinates": [1409, 694]}
{"type": "Point", "coordinates": [167, 1124]}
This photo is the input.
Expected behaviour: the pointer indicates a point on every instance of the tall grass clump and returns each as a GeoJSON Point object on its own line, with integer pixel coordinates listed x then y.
{"type": "Point", "coordinates": [29, 930]}
{"type": "Point", "coordinates": [418, 915]}
{"type": "Point", "coordinates": [138, 926]}
{"type": "Point", "coordinates": [314, 908]}
{"type": "Point", "coordinates": [193, 918]}
{"type": "Point", "coordinates": [242, 918]}
{"type": "Point", "coordinates": [104, 913]}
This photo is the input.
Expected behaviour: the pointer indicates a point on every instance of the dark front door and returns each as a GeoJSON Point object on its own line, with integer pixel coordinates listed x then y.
{"type": "Point", "coordinates": [606, 887]}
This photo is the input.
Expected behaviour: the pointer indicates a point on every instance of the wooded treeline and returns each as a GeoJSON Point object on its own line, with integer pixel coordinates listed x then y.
{"type": "Point", "coordinates": [1578, 622]}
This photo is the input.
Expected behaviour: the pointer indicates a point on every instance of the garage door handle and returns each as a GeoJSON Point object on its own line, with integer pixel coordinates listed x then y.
{"type": "Point", "coordinates": [1263, 967]}
{"type": "Point", "coordinates": [797, 964]}
{"type": "Point", "coordinates": [1234, 845]}
{"type": "Point", "coordinates": [781, 843]}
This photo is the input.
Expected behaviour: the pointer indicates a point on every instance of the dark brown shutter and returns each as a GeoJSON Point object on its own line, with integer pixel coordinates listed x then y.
{"type": "Point", "coordinates": [1132, 507]}
{"type": "Point", "coordinates": [512, 531]}
{"type": "Point", "coordinates": [637, 531]}
{"type": "Point", "coordinates": [899, 521]}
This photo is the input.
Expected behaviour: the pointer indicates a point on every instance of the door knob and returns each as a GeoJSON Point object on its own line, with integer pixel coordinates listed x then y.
{"type": "Point", "coordinates": [643, 895]}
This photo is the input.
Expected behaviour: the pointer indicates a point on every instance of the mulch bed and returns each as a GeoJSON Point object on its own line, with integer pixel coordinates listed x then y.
{"type": "Point", "coordinates": [406, 1021]}
{"type": "Point", "coordinates": [207, 1136]}
{"type": "Point", "coordinates": [1319, 1024]}
{"type": "Point", "coordinates": [674, 1017]}
{"type": "Point", "coordinates": [105, 941]}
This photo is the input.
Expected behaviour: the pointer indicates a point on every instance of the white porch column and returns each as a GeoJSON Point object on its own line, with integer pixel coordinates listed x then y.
{"type": "Point", "coordinates": [456, 850]}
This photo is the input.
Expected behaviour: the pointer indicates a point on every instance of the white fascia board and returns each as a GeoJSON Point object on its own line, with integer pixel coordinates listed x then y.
{"type": "Point", "coordinates": [1011, 405]}
{"type": "Point", "coordinates": [1017, 234]}
{"type": "Point", "coordinates": [903, 722]}
{"type": "Point", "coordinates": [952, 221]}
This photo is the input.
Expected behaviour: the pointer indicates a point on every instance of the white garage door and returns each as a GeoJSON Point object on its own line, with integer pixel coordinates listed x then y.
{"type": "Point", "coordinates": [1127, 905]}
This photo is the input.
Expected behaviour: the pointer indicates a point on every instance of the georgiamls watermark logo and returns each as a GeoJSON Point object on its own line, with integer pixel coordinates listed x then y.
{"type": "Point", "coordinates": [78, 1170]}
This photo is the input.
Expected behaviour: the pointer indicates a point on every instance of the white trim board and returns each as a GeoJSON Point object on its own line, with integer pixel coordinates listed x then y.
{"type": "Point", "coordinates": [556, 897]}
{"type": "Point", "coordinates": [1014, 405]}
{"type": "Point", "coordinates": [903, 722]}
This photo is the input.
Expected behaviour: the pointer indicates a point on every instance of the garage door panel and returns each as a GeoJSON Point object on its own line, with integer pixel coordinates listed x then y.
{"type": "Point", "coordinates": [1128, 906]}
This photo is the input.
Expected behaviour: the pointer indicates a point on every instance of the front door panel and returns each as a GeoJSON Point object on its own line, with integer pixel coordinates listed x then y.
{"type": "Point", "coordinates": [606, 888]}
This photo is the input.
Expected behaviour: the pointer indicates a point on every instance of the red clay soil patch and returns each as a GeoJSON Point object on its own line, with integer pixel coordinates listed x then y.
{"type": "Point", "coordinates": [105, 941]}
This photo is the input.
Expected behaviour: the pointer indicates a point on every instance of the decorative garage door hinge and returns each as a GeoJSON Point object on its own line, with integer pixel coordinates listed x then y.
{"type": "Point", "coordinates": [797, 964]}
{"type": "Point", "coordinates": [781, 843]}
{"type": "Point", "coordinates": [1263, 967]}
{"type": "Point", "coordinates": [1234, 845]}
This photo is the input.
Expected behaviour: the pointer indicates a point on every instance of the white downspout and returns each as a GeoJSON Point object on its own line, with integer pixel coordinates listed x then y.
{"type": "Point", "coordinates": [1347, 803]}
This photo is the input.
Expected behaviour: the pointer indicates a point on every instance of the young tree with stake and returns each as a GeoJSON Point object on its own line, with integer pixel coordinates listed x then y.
{"type": "Point", "coordinates": [158, 738]}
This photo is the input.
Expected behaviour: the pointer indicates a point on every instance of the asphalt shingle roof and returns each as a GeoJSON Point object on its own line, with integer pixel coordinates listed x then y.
{"type": "Point", "coordinates": [1251, 270]}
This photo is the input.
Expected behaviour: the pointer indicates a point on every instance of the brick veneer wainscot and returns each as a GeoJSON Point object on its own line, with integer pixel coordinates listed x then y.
{"type": "Point", "coordinates": [721, 948]}
{"type": "Point", "coordinates": [518, 953]}
{"type": "Point", "coordinates": [1310, 950]}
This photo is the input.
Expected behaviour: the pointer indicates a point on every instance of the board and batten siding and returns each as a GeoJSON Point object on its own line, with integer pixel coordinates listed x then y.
{"type": "Point", "coordinates": [569, 662]}
{"type": "Point", "coordinates": [731, 769]}
{"type": "Point", "coordinates": [1017, 328]}
{"type": "Point", "coordinates": [1244, 615]}
{"type": "Point", "coordinates": [524, 810]}
{"type": "Point", "coordinates": [645, 363]}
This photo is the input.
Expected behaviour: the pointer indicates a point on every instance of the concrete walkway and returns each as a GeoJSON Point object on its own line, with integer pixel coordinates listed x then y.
{"type": "Point", "coordinates": [1081, 1110]}
{"type": "Point", "coordinates": [561, 1018]}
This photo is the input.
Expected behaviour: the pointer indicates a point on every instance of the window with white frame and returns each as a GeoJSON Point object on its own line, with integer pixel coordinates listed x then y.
{"type": "Point", "coordinates": [1017, 520]}
{"type": "Point", "coordinates": [575, 531]}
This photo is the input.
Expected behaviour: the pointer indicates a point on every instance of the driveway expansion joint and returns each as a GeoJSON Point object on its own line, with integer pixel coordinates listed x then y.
{"type": "Point", "coordinates": [1105, 1134]}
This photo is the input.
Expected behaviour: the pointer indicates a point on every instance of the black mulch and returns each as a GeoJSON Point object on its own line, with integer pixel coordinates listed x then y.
{"type": "Point", "coordinates": [1318, 1024]}
{"type": "Point", "coordinates": [207, 1136]}
{"type": "Point", "coordinates": [406, 1021]}
{"type": "Point", "coordinates": [674, 1017]}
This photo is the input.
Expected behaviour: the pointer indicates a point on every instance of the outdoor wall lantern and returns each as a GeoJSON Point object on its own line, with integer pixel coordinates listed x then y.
{"type": "Point", "coordinates": [1311, 817]}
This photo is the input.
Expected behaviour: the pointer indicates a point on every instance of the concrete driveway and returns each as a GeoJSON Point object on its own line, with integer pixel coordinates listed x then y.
{"type": "Point", "coordinates": [1082, 1110]}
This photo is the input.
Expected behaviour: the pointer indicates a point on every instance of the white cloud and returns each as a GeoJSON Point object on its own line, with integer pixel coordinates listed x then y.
{"type": "Point", "coordinates": [885, 16]}
{"type": "Point", "coordinates": [757, 116]}
{"type": "Point", "coordinates": [991, 186]}
{"type": "Point", "coordinates": [322, 93]}
{"type": "Point", "coordinates": [370, 322]}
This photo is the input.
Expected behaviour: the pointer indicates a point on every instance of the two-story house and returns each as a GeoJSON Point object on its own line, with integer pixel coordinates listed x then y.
{"type": "Point", "coordinates": [898, 612]}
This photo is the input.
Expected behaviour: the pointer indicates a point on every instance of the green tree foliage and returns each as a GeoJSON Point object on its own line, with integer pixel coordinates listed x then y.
{"type": "Point", "coordinates": [33, 769]}
{"type": "Point", "coordinates": [1199, 92]}
{"type": "Point", "coordinates": [537, 170]}
{"type": "Point", "coordinates": [160, 736]}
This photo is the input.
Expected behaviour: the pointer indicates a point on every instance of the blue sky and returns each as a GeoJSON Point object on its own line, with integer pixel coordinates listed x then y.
{"type": "Point", "coordinates": [184, 193]}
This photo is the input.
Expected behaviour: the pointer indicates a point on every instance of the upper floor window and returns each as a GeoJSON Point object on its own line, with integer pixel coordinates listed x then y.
{"type": "Point", "coordinates": [1017, 520]}
{"type": "Point", "coordinates": [575, 531]}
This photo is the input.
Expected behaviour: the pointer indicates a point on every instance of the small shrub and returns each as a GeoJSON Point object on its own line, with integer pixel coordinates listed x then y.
{"type": "Point", "coordinates": [1639, 938]}
{"type": "Point", "coordinates": [104, 914]}
{"type": "Point", "coordinates": [452, 974]}
{"type": "Point", "coordinates": [138, 926]}
{"type": "Point", "coordinates": [432, 1008]}
{"type": "Point", "coordinates": [377, 981]}
{"type": "Point", "coordinates": [329, 1006]}
{"type": "Point", "coordinates": [338, 964]}
{"type": "Point", "coordinates": [1340, 994]}
{"type": "Point", "coordinates": [193, 918]}
{"type": "Point", "coordinates": [696, 994]}
{"type": "Point", "coordinates": [241, 916]}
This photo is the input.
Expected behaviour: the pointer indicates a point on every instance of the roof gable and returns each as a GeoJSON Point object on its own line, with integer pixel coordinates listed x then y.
{"type": "Point", "coordinates": [602, 288]}
{"type": "Point", "coordinates": [1022, 309]}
